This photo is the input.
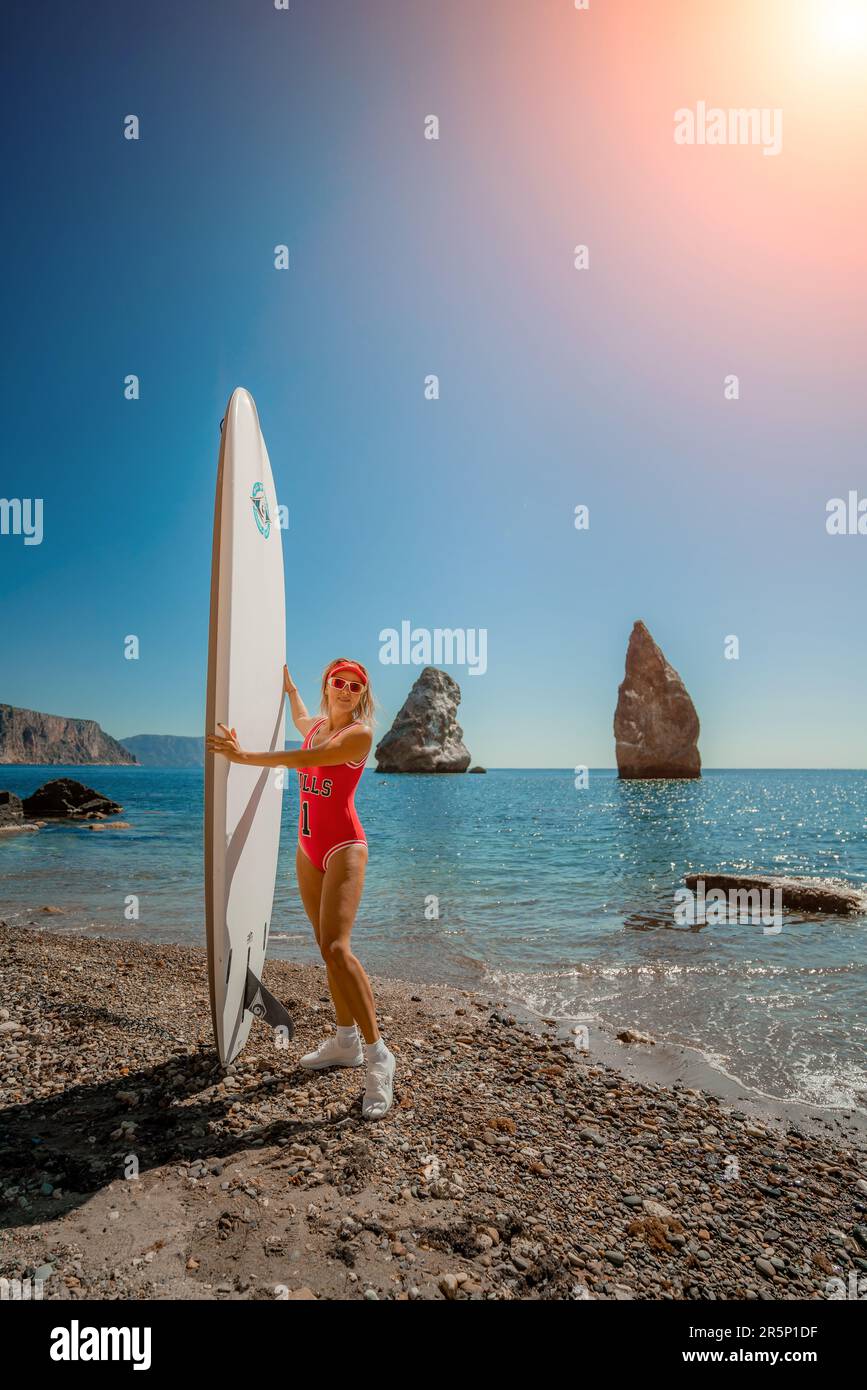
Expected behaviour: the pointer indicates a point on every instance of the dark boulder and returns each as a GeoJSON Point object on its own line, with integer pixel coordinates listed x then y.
{"type": "Point", "coordinates": [66, 799]}
{"type": "Point", "coordinates": [11, 810]}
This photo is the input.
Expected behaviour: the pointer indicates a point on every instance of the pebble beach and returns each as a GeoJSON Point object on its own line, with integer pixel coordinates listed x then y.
{"type": "Point", "coordinates": [513, 1164]}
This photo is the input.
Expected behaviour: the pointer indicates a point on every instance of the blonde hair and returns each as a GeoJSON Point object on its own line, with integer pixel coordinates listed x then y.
{"type": "Point", "coordinates": [365, 709]}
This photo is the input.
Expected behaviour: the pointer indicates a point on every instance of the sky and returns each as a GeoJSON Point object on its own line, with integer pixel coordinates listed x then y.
{"type": "Point", "coordinates": [607, 386]}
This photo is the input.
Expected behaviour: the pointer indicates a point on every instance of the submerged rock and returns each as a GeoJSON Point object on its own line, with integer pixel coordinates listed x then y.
{"type": "Point", "coordinates": [66, 799]}
{"type": "Point", "coordinates": [655, 724]}
{"type": "Point", "coordinates": [799, 894]}
{"type": "Point", "coordinates": [632, 1035]}
{"type": "Point", "coordinates": [426, 736]}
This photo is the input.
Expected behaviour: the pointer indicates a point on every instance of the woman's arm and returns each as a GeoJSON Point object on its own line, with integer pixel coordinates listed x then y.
{"type": "Point", "coordinates": [348, 747]}
{"type": "Point", "coordinates": [300, 718]}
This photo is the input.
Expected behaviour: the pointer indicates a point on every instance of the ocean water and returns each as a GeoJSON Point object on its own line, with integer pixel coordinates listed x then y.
{"type": "Point", "coordinates": [515, 882]}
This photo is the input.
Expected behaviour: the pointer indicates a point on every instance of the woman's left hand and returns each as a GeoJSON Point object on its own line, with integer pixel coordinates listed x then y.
{"type": "Point", "coordinates": [228, 744]}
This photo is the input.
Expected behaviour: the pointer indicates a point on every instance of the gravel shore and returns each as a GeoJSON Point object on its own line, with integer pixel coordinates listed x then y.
{"type": "Point", "coordinates": [512, 1165]}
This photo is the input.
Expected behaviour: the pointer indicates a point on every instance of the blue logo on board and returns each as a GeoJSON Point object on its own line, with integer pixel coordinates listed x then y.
{"type": "Point", "coordinates": [260, 509]}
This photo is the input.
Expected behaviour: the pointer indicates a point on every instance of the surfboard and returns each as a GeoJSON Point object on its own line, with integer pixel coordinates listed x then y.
{"type": "Point", "coordinates": [246, 652]}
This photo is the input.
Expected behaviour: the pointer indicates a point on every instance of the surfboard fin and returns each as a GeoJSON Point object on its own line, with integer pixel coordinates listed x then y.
{"type": "Point", "coordinates": [261, 1002]}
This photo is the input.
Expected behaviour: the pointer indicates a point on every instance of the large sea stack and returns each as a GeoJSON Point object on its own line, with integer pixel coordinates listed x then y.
{"type": "Point", "coordinates": [28, 736]}
{"type": "Point", "coordinates": [426, 736]}
{"type": "Point", "coordinates": [655, 724]}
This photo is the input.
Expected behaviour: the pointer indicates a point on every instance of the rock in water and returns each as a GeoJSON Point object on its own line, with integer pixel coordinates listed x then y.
{"type": "Point", "coordinates": [426, 736]}
{"type": "Point", "coordinates": [11, 810]}
{"type": "Point", "coordinates": [655, 724]}
{"type": "Point", "coordinates": [798, 894]}
{"type": "Point", "coordinates": [70, 800]}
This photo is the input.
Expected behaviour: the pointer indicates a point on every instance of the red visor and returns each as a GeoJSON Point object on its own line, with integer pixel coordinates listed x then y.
{"type": "Point", "coordinates": [348, 667]}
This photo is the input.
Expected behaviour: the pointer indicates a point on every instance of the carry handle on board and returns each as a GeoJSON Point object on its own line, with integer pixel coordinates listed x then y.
{"type": "Point", "coordinates": [261, 1002]}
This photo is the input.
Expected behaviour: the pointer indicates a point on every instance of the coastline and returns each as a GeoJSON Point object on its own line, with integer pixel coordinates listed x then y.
{"type": "Point", "coordinates": [668, 1064]}
{"type": "Point", "coordinates": [512, 1165]}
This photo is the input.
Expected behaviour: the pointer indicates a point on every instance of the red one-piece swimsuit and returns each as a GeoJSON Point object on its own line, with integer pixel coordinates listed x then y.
{"type": "Point", "coordinates": [328, 820]}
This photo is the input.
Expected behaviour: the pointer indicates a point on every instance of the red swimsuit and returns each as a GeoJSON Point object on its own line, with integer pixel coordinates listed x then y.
{"type": "Point", "coordinates": [328, 820]}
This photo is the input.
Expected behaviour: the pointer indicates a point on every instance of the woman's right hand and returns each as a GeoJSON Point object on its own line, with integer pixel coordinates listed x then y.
{"type": "Point", "coordinates": [225, 743]}
{"type": "Point", "coordinates": [289, 685]}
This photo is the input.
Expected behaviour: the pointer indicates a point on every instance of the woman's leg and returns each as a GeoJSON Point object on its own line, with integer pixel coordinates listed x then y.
{"type": "Point", "coordinates": [310, 882]}
{"type": "Point", "coordinates": [341, 893]}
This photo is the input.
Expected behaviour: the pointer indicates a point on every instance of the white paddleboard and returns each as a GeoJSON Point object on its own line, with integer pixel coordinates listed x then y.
{"type": "Point", "coordinates": [246, 652]}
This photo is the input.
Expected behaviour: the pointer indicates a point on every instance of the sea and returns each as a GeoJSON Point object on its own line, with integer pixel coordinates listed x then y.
{"type": "Point", "coordinates": [553, 897]}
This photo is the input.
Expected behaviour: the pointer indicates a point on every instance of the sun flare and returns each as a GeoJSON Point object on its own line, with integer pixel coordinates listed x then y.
{"type": "Point", "coordinates": [843, 26]}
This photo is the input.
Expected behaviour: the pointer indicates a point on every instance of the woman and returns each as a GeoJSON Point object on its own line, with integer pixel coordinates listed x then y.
{"type": "Point", "coordinates": [330, 860]}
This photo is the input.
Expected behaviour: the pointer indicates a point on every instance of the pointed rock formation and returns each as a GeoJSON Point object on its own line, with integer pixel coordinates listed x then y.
{"type": "Point", "coordinates": [426, 736]}
{"type": "Point", "coordinates": [655, 724]}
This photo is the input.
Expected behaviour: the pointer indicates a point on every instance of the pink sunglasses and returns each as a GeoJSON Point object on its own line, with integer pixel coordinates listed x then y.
{"type": "Point", "coordinates": [338, 682]}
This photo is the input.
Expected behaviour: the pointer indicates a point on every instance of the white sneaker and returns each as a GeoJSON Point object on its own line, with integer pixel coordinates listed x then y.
{"type": "Point", "coordinates": [330, 1054]}
{"type": "Point", "coordinates": [379, 1091]}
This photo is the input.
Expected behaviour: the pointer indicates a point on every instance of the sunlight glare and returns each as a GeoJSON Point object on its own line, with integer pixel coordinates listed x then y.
{"type": "Point", "coordinates": [843, 25]}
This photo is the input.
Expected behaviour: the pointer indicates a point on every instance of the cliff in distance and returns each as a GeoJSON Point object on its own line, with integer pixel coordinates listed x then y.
{"type": "Point", "coordinates": [173, 750]}
{"type": "Point", "coordinates": [167, 750]}
{"type": "Point", "coordinates": [28, 736]}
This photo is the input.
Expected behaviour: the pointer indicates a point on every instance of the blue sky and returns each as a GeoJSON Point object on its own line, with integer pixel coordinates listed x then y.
{"type": "Point", "coordinates": [409, 257]}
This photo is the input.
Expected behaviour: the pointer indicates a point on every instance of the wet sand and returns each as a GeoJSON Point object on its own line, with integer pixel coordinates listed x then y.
{"type": "Point", "coordinates": [512, 1165]}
